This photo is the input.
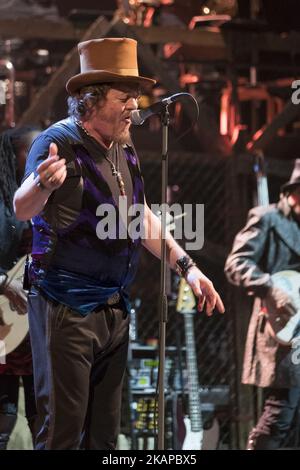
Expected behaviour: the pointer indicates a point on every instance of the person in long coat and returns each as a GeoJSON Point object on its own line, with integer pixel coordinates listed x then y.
{"type": "Point", "coordinates": [270, 243]}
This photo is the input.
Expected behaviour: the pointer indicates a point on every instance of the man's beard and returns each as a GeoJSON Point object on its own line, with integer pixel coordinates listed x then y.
{"type": "Point", "coordinates": [123, 137]}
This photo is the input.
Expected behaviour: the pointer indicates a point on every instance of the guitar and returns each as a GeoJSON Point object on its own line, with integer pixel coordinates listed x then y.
{"type": "Point", "coordinates": [186, 304]}
{"type": "Point", "coordinates": [196, 438]}
{"type": "Point", "coordinates": [13, 325]}
{"type": "Point", "coordinates": [261, 180]}
{"type": "Point", "coordinates": [284, 331]}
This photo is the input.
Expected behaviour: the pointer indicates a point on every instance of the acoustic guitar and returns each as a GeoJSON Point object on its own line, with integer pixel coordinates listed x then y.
{"type": "Point", "coordinates": [13, 325]}
{"type": "Point", "coordinates": [285, 330]}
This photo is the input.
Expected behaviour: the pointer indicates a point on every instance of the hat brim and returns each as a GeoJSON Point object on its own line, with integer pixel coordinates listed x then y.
{"type": "Point", "coordinates": [289, 187]}
{"type": "Point", "coordinates": [98, 76]}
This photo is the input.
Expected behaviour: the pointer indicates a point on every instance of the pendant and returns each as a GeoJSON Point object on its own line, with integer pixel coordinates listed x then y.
{"type": "Point", "coordinates": [113, 169]}
{"type": "Point", "coordinates": [121, 184]}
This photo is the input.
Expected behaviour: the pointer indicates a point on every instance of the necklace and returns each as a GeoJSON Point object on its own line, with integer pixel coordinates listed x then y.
{"type": "Point", "coordinates": [114, 168]}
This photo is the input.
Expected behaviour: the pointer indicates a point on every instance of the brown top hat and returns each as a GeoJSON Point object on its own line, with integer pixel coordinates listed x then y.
{"type": "Point", "coordinates": [107, 60]}
{"type": "Point", "coordinates": [294, 179]}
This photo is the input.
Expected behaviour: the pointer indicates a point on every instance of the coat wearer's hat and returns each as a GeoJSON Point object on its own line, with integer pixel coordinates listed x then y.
{"type": "Point", "coordinates": [294, 181]}
{"type": "Point", "coordinates": [107, 60]}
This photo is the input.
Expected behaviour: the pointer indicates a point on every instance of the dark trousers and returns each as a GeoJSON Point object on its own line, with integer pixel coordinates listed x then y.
{"type": "Point", "coordinates": [79, 364]}
{"type": "Point", "coordinates": [280, 408]}
{"type": "Point", "coordinates": [9, 397]}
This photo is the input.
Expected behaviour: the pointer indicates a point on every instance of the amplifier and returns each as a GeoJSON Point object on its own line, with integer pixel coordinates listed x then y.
{"type": "Point", "coordinates": [144, 416]}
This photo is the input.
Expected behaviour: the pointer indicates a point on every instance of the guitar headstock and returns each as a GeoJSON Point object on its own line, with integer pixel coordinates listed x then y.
{"type": "Point", "coordinates": [261, 179]}
{"type": "Point", "coordinates": [186, 302]}
{"type": "Point", "coordinates": [259, 163]}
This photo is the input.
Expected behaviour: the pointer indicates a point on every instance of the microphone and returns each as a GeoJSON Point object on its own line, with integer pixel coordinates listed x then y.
{"type": "Point", "coordinates": [139, 116]}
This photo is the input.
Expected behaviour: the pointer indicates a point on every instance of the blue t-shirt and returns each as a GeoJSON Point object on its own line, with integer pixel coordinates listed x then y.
{"type": "Point", "coordinates": [71, 264]}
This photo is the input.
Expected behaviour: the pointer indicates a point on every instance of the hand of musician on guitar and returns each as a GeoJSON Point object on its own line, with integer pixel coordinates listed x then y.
{"type": "Point", "coordinates": [279, 303]}
{"type": "Point", "coordinates": [15, 293]}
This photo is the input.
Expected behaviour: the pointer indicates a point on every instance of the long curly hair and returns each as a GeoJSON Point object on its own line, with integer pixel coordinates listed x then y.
{"type": "Point", "coordinates": [10, 142]}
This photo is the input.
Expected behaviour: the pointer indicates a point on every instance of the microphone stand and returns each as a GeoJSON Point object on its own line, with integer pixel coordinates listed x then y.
{"type": "Point", "coordinates": [163, 300]}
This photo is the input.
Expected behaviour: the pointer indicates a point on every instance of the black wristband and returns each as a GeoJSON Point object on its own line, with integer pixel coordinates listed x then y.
{"type": "Point", "coordinates": [183, 265]}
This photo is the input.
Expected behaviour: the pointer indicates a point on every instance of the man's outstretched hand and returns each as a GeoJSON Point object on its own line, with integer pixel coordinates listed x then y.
{"type": "Point", "coordinates": [204, 289]}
